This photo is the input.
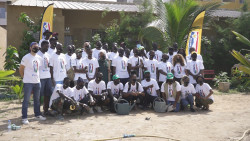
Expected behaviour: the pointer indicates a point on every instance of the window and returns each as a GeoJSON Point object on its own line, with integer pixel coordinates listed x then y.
{"type": "Point", "coordinates": [2, 13]}
{"type": "Point", "coordinates": [241, 1]}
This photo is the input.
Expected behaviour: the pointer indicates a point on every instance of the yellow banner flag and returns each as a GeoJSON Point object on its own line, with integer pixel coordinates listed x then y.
{"type": "Point", "coordinates": [47, 20]}
{"type": "Point", "coordinates": [194, 38]}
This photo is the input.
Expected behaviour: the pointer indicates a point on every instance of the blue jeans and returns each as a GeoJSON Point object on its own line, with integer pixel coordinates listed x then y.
{"type": "Point", "coordinates": [46, 87]}
{"type": "Point", "coordinates": [188, 100]}
{"type": "Point", "coordinates": [28, 88]}
{"type": "Point", "coordinates": [177, 108]}
{"type": "Point", "coordinates": [59, 82]}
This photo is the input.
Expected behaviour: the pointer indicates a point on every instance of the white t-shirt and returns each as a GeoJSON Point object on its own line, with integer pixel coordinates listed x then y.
{"type": "Point", "coordinates": [199, 57]}
{"type": "Point", "coordinates": [44, 69]}
{"type": "Point", "coordinates": [133, 88]}
{"type": "Point", "coordinates": [96, 88]}
{"type": "Point", "coordinates": [84, 54]}
{"type": "Point", "coordinates": [114, 88]}
{"type": "Point", "coordinates": [158, 55]}
{"type": "Point", "coordinates": [31, 70]}
{"type": "Point", "coordinates": [204, 90]}
{"type": "Point", "coordinates": [51, 51]}
{"type": "Point", "coordinates": [40, 42]}
{"type": "Point", "coordinates": [170, 59]}
{"type": "Point", "coordinates": [165, 67]}
{"type": "Point", "coordinates": [151, 91]}
{"type": "Point", "coordinates": [112, 55]}
{"type": "Point", "coordinates": [151, 66]}
{"type": "Point", "coordinates": [194, 67]}
{"type": "Point", "coordinates": [96, 53]}
{"type": "Point", "coordinates": [80, 64]}
{"type": "Point", "coordinates": [170, 90]}
{"type": "Point", "coordinates": [185, 91]}
{"type": "Point", "coordinates": [132, 53]}
{"type": "Point", "coordinates": [70, 61]}
{"type": "Point", "coordinates": [79, 94]}
{"type": "Point", "coordinates": [179, 70]}
{"type": "Point", "coordinates": [92, 65]}
{"type": "Point", "coordinates": [68, 92]}
{"type": "Point", "coordinates": [133, 61]}
{"type": "Point", "coordinates": [59, 66]}
{"type": "Point", "coordinates": [121, 64]}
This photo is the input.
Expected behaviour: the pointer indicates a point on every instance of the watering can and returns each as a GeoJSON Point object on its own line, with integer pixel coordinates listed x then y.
{"type": "Point", "coordinates": [160, 105]}
{"type": "Point", "coordinates": [123, 108]}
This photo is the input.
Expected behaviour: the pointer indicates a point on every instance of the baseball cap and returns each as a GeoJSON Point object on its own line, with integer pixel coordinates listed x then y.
{"type": "Point", "coordinates": [31, 44]}
{"type": "Point", "coordinates": [146, 71]}
{"type": "Point", "coordinates": [115, 77]}
{"type": "Point", "coordinates": [170, 76]}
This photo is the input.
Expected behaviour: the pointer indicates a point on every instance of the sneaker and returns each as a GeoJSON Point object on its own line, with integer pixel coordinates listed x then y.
{"type": "Point", "coordinates": [98, 109]}
{"type": "Point", "coordinates": [41, 117]}
{"type": "Point", "coordinates": [91, 110]}
{"type": "Point", "coordinates": [25, 121]}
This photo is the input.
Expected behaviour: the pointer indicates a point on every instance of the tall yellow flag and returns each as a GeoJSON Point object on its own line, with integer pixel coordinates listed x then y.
{"type": "Point", "coordinates": [194, 38]}
{"type": "Point", "coordinates": [47, 20]}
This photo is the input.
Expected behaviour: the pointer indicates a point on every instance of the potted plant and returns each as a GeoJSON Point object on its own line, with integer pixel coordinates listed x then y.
{"type": "Point", "coordinates": [222, 82]}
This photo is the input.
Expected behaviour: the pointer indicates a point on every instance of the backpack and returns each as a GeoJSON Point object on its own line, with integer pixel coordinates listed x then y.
{"type": "Point", "coordinates": [129, 86]}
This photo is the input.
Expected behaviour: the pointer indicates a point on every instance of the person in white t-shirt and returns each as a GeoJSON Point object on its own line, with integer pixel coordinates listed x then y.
{"type": "Point", "coordinates": [84, 49]}
{"type": "Point", "coordinates": [204, 94]}
{"type": "Point", "coordinates": [151, 88]}
{"type": "Point", "coordinates": [114, 89]}
{"type": "Point", "coordinates": [187, 93]}
{"type": "Point", "coordinates": [29, 71]}
{"type": "Point", "coordinates": [80, 67]}
{"type": "Point", "coordinates": [189, 58]}
{"type": "Point", "coordinates": [182, 52]}
{"type": "Point", "coordinates": [46, 36]}
{"type": "Point", "coordinates": [58, 66]}
{"type": "Point", "coordinates": [45, 77]}
{"type": "Point", "coordinates": [135, 63]}
{"type": "Point", "coordinates": [92, 65]}
{"type": "Point", "coordinates": [171, 92]}
{"type": "Point", "coordinates": [194, 68]}
{"type": "Point", "coordinates": [179, 67]}
{"type": "Point", "coordinates": [133, 91]}
{"type": "Point", "coordinates": [97, 88]}
{"type": "Point", "coordinates": [171, 54]}
{"type": "Point", "coordinates": [120, 66]}
{"type": "Point", "coordinates": [152, 65]}
{"type": "Point", "coordinates": [164, 68]}
{"type": "Point", "coordinates": [52, 47]}
{"type": "Point", "coordinates": [114, 53]}
{"type": "Point", "coordinates": [62, 98]}
{"type": "Point", "coordinates": [158, 53]}
{"type": "Point", "coordinates": [175, 47]}
{"type": "Point", "coordinates": [98, 49]}
{"type": "Point", "coordinates": [70, 58]}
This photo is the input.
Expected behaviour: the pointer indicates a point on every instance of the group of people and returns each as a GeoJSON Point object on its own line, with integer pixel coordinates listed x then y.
{"type": "Point", "coordinates": [89, 80]}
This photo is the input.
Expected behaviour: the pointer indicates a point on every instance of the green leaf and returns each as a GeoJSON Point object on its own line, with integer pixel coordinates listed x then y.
{"type": "Point", "coordinates": [241, 38]}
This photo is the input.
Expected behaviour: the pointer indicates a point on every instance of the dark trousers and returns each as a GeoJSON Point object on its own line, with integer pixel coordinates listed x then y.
{"type": "Point", "coordinates": [46, 91]}
{"type": "Point", "coordinates": [111, 103]}
{"type": "Point", "coordinates": [203, 102]}
{"type": "Point", "coordinates": [131, 99]}
{"type": "Point", "coordinates": [150, 99]}
{"type": "Point", "coordinates": [99, 101]}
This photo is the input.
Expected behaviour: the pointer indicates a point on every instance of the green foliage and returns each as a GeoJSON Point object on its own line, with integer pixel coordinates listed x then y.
{"type": "Point", "coordinates": [206, 52]}
{"type": "Point", "coordinates": [240, 81]}
{"type": "Point", "coordinates": [221, 77]}
{"type": "Point", "coordinates": [95, 38]}
{"type": "Point", "coordinates": [18, 90]}
{"type": "Point", "coordinates": [11, 58]}
{"type": "Point", "coordinates": [112, 32]}
{"type": "Point", "coordinates": [34, 27]}
{"type": "Point", "coordinates": [6, 75]}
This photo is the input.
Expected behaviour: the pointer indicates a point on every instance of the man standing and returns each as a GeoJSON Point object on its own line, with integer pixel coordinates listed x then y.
{"type": "Point", "coordinates": [189, 58]}
{"type": "Point", "coordinates": [158, 53]}
{"type": "Point", "coordinates": [151, 88]}
{"type": "Point", "coordinates": [47, 35]}
{"type": "Point", "coordinates": [45, 76]}
{"type": "Point", "coordinates": [70, 58]}
{"type": "Point", "coordinates": [120, 67]}
{"type": "Point", "coordinates": [152, 65]}
{"type": "Point", "coordinates": [135, 64]}
{"type": "Point", "coordinates": [97, 50]}
{"type": "Point", "coordinates": [171, 91]}
{"type": "Point", "coordinates": [58, 66]}
{"type": "Point", "coordinates": [164, 68]}
{"type": "Point", "coordinates": [104, 67]}
{"type": "Point", "coordinates": [171, 54]}
{"type": "Point", "coordinates": [29, 71]}
{"type": "Point", "coordinates": [52, 46]}
{"type": "Point", "coordinates": [92, 65]}
{"type": "Point", "coordinates": [80, 67]}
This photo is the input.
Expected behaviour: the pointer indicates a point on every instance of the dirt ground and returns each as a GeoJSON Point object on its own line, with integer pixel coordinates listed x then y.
{"type": "Point", "coordinates": [227, 119]}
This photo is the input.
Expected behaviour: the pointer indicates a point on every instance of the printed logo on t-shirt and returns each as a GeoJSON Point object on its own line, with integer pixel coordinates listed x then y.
{"type": "Point", "coordinates": [35, 66]}
{"type": "Point", "coordinates": [97, 91]}
{"type": "Point", "coordinates": [179, 69]}
{"type": "Point", "coordinates": [153, 68]}
{"type": "Point", "coordinates": [62, 63]}
{"type": "Point", "coordinates": [168, 70]}
{"type": "Point", "coordinates": [46, 63]}
{"type": "Point", "coordinates": [150, 90]}
{"type": "Point", "coordinates": [195, 68]}
{"type": "Point", "coordinates": [90, 67]}
{"type": "Point", "coordinates": [201, 93]}
{"type": "Point", "coordinates": [156, 56]}
{"type": "Point", "coordinates": [123, 65]}
{"type": "Point", "coordinates": [116, 91]}
{"type": "Point", "coordinates": [186, 93]}
{"type": "Point", "coordinates": [170, 91]}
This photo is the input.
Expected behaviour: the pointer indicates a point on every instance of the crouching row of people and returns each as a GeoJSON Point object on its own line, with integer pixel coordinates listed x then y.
{"type": "Point", "coordinates": [80, 99]}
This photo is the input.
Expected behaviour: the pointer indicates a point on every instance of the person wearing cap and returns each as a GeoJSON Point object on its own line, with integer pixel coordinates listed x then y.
{"type": "Point", "coordinates": [151, 88]}
{"type": "Point", "coordinates": [189, 58]}
{"type": "Point", "coordinates": [194, 68]}
{"type": "Point", "coordinates": [80, 67]}
{"type": "Point", "coordinates": [135, 63]}
{"type": "Point", "coordinates": [158, 53]}
{"type": "Point", "coordinates": [45, 77]}
{"type": "Point", "coordinates": [46, 36]}
{"type": "Point", "coordinates": [204, 94]}
{"type": "Point", "coordinates": [82, 97]}
{"type": "Point", "coordinates": [62, 98]}
{"type": "Point", "coordinates": [70, 62]}
{"type": "Point", "coordinates": [97, 88]}
{"type": "Point", "coordinates": [120, 66]}
{"type": "Point", "coordinates": [179, 65]}
{"type": "Point", "coordinates": [58, 66]}
{"type": "Point", "coordinates": [133, 91]}
{"type": "Point", "coordinates": [29, 71]}
{"type": "Point", "coordinates": [52, 46]}
{"type": "Point", "coordinates": [114, 89]}
{"type": "Point", "coordinates": [164, 68]}
{"type": "Point", "coordinates": [187, 93]}
{"type": "Point", "coordinates": [171, 91]}
{"type": "Point", "coordinates": [152, 65]}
